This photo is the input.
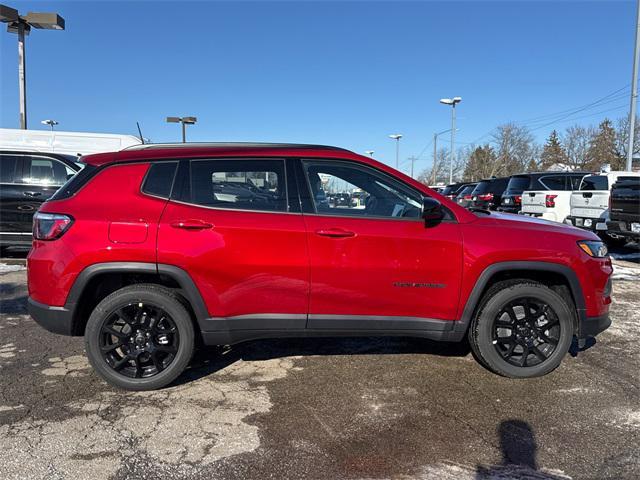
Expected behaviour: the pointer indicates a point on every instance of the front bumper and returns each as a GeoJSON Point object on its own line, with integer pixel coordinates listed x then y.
{"type": "Point", "coordinates": [592, 326]}
{"type": "Point", "coordinates": [55, 319]}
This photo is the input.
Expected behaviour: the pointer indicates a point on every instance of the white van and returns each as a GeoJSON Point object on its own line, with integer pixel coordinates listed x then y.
{"type": "Point", "coordinates": [73, 143]}
{"type": "Point", "coordinates": [589, 206]}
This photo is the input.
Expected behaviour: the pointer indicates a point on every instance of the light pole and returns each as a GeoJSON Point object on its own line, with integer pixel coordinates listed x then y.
{"type": "Point", "coordinates": [22, 26]}
{"type": "Point", "coordinates": [369, 152]}
{"type": "Point", "coordinates": [184, 121]}
{"type": "Point", "coordinates": [397, 137]}
{"type": "Point", "coordinates": [452, 101]}
{"type": "Point", "coordinates": [634, 92]}
{"type": "Point", "coordinates": [51, 123]}
{"type": "Point", "coordinates": [435, 154]}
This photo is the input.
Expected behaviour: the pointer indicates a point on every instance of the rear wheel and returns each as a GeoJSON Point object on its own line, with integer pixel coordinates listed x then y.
{"type": "Point", "coordinates": [140, 337]}
{"type": "Point", "coordinates": [523, 329]}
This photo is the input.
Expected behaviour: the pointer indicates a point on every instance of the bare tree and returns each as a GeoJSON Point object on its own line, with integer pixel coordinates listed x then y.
{"type": "Point", "coordinates": [515, 148]}
{"type": "Point", "coordinates": [577, 142]}
{"type": "Point", "coordinates": [442, 168]}
{"type": "Point", "coordinates": [622, 137]}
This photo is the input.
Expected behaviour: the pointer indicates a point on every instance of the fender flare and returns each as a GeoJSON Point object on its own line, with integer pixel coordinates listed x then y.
{"type": "Point", "coordinates": [181, 277]}
{"type": "Point", "coordinates": [534, 266]}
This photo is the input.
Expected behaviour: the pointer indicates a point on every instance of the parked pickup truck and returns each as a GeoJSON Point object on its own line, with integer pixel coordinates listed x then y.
{"type": "Point", "coordinates": [590, 204]}
{"type": "Point", "coordinates": [552, 204]}
{"type": "Point", "coordinates": [624, 207]}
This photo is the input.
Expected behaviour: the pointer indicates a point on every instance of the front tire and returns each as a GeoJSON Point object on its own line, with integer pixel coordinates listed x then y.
{"type": "Point", "coordinates": [523, 329]}
{"type": "Point", "coordinates": [140, 337]}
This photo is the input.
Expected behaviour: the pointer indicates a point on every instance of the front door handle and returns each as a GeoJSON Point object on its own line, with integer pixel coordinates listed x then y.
{"type": "Point", "coordinates": [191, 224]}
{"type": "Point", "coordinates": [32, 194]}
{"type": "Point", "coordinates": [335, 233]}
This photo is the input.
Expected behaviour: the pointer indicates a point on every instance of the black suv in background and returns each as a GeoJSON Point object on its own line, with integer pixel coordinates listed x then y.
{"type": "Point", "coordinates": [512, 197]}
{"type": "Point", "coordinates": [464, 195]}
{"type": "Point", "coordinates": [624, 208]}
{"type": "Point", "coordinates": [27, 179]}
{"type": "Point", "coordinates": [452, 190]}
{"type": "Point", "coordinates": [488, 193]}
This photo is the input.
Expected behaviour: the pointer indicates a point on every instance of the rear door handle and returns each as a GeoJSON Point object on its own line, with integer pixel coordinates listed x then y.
{"type": "Point", "coordinates": [191, 224]}
{"type": "Point", "coordinates": [335, 233]}
{"type": "Point", "coordinates": [32, 194]}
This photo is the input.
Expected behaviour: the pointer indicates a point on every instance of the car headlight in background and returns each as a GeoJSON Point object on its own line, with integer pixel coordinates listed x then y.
{"type": "Point", "coordinates": [594, 248]}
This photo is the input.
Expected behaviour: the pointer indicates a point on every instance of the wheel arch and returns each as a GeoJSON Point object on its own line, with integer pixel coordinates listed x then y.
{"type": "Point", "coordinates": [99, 280]}
{"type": "Point", "coordinates": [560, 278]}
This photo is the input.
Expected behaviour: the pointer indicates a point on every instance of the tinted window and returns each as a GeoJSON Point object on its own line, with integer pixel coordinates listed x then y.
{"type": "Point", "coordinates": [518, 183]}
{"type": "Point", "coordinates": [340, 188]}
{"type": "Point", "coordinates": [554, 182]}
{"type": "Point", "coordinates": [482, 187]}
{"type": "Point", "coordinates": [160, 179]}
{"type": "Point", "coordinates": [595, 182]}
{"type": "Point", "coordinates": [574, 182]}
{"type": "Point", "coordinates": [75, 183]}
{"type": "Point", "coordinates": [241, 184]}
{"type": "Point", "coordinates": [467, 190]}
{"type": "Point", "coordinates": [9, 168]}
{"type": "Point", "coordinates": [44, 171]}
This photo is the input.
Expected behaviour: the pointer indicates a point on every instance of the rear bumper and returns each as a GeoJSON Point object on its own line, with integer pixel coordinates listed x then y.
{"type": "Point", "coordinates": [55, 319]}
{"type": "Point", "coordinates": [502, 208]}
{"type": "Point", "coordinates": [622, 228]}
{"type": "Point", "coordinates": [9, 239]}
{"type": "Point", "coordinates": [592, 326]}
{"type": "Point", "coordinates": [587, 223]}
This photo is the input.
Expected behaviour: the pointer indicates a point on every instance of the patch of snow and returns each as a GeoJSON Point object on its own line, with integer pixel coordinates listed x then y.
{"type": "Point", "coordinates": [625, 273]}
{"type": "Point", "coordinates": [4, 268]}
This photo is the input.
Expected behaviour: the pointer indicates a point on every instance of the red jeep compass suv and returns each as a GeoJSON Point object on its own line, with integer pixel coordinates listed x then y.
{"type": "Point", "coordinates": [151, 249]}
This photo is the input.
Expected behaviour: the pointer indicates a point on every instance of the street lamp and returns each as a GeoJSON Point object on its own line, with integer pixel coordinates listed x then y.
{"type": "Point", "coordinates": [369, 152]}
{"type": "Point", "coordinates": [452, 101]}
{"type": "Point", "coordinates": [22, 26]}
{"type": "Point", "coordinates": [397, 137]}
{"type": "Point", "coordinates": [435, 154]}
{"type": "Point", "coordinates": [51, 123]}
{"type": "Point", "coordinates": [184, 121]}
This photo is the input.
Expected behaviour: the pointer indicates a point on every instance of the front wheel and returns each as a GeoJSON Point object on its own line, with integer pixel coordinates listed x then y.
{"type": "Point", "coordinates": [523, 329]}
{"type": "Point", "coordinates": [140, 337]}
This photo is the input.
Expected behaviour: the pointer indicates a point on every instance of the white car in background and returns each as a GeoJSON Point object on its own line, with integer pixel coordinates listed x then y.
{"type": "Point", "coordinates": [589, 206]}
{"type": "Point", "coordinates": [71, 143]}
{"type": "Point", "coordinates": [552, 204]}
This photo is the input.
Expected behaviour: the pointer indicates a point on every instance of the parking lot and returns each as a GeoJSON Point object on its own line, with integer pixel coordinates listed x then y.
{"type": "Point", "coordinates": [324, 408]}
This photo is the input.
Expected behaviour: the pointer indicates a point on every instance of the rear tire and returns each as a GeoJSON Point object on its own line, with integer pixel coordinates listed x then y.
{"type": "Point", "coordinates": [140, 337]}
{"type": "Point", "coordinates": [523, 329]}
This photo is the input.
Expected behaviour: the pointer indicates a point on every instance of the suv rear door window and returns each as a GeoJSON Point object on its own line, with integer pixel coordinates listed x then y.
{"type": "Point", "coordinates": [239, 184]}
{"type": "Point", "coordinates": [39, 170]}
{"type": "Point", "coordinates": [595, 182]}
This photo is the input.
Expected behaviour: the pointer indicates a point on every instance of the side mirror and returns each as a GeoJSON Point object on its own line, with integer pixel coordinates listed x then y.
{"type": "Point", "coordinates": [432, 211]}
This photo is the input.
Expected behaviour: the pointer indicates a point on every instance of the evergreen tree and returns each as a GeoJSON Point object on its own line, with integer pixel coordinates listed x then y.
{"type": "Point", "coordinates": [553, 153]}
{"type": "Point", "coordinates": [602, 150]}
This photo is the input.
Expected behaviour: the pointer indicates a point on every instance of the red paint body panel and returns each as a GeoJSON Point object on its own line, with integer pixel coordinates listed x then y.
{"type": "Point", "coordinates": [246, 263]}
{"type": "Point", "coordinates": [250, 262]}
{"type": "Point", "coordinates": [368, 273]}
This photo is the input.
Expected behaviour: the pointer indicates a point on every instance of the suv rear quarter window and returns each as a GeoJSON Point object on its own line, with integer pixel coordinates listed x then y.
{"type": "Point", "coordinates": [159, 179]}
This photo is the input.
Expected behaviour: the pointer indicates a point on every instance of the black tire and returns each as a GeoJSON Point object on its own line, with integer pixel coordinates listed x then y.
{"type": "Point", "coordinates": [501, 334]}
{"type": "Point", "coordinates": [147, 366]}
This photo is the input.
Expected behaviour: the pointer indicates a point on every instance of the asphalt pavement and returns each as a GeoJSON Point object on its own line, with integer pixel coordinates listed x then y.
{"type": "Point", "coordinates": [364, 408]}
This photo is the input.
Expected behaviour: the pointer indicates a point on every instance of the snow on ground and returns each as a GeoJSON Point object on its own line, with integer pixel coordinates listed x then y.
{"type": "Point", "coordinates": [625, 273]}
{"type": "Point", "coordinates": [4, 268]}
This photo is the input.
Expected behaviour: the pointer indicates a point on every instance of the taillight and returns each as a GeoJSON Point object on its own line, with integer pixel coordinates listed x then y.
{"type": "Point", "coordinates": [517, 199]}
{"type": "Point", "coordinates": [49, 226]}
{"type": "Point", "coordinates": [550, 201]}
{"type": "Point", "coordinates": [467, 197]}
{"type": "Point", "coordinates": [486, 196]}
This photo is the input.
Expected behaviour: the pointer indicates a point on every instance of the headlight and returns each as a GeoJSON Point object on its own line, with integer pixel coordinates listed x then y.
{"type": "Point", "coordinates": [594, 248]}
